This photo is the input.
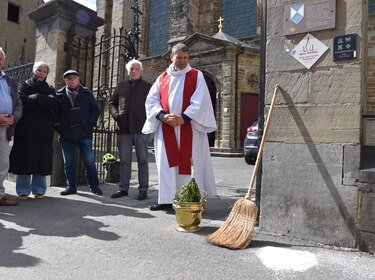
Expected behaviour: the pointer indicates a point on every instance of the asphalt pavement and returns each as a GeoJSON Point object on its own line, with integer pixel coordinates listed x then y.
{"type": "Point", "coordinates": [85, 236]}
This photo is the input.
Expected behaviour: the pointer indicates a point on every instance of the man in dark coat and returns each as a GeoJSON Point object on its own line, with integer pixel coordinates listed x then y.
{"type": "Point", "coordinates": [77, 115]}
{"type": "Point", "coordinates": [127, 107]}
{"type": "Point", "coordinates": [10, 113]}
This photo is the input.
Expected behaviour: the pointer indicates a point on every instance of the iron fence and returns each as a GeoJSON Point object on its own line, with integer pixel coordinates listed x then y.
{"type": "Point", "coordinates": [21, 72]}
{"type": "Point", "coordinates": [102, 66]}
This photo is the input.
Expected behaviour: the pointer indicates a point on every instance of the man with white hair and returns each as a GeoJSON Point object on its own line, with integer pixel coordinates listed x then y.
{"type": "Point", "coordinates": [127, 107]}
{"type": "Point", "coordinates": [10, 113]}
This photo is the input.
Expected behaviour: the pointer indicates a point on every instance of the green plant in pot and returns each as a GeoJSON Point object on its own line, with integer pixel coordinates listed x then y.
{"type": "Point", "coordinates": [189, 205]}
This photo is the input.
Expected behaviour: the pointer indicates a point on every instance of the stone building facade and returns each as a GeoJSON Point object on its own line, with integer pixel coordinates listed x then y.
{"type": "Point", "coordinates": [17, 36]}
{"type": "Point", "coordinates": [318, 178]}
{"type": "Point", "coordinates": [230, 65]}
{"type": "Point", "coordinates": [318, 174]}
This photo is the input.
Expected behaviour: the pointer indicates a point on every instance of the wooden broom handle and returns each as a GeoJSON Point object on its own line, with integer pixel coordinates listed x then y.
{"type": "Point", "coordinates": [259, 157]}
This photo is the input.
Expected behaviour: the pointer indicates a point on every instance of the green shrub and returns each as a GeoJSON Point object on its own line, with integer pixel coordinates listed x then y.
{"type": "Point", "coordinates": [189, 192]}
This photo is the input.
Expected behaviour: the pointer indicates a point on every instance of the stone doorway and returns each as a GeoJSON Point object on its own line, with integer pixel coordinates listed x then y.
{"type": "Point", "coordinates": [212, 89]}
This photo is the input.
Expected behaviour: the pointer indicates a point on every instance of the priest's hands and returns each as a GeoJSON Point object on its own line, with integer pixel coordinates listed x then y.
{"type": "Point", "coordinates": [173, 120]}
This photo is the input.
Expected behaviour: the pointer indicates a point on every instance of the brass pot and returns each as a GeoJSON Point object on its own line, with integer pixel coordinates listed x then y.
{"type": "Point", "coordinates": [188, 215]}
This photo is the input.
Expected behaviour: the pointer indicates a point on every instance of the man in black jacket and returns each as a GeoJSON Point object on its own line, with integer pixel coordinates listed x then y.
{"type": "Point", "coordinates": [77, 115]}
{"type": "Point", "coordinates": [127, 107]}
{"type": "Point", "coordinates": [10, 113]}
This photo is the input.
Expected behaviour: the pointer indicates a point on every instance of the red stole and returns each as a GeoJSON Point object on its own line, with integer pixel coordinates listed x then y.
{"type": "Point", "coordinates": [176, 157]}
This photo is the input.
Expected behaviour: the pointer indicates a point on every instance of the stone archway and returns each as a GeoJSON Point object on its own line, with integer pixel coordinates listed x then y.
{"type": "Point", "coordinates": [212, 89]}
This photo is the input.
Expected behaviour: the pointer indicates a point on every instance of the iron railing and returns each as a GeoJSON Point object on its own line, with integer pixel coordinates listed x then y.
{"type": "Point", "coordinates": [21, 72]}
{"type": "Point", "coordinates": [102, 67]}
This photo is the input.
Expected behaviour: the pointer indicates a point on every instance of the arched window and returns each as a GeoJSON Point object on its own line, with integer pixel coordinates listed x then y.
{"type": "Point", "coordinates": [158, 27]}
{"type": "Point", "coordinates": [240, 17]}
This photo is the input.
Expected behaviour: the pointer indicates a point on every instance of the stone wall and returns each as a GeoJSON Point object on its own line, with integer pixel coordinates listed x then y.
{"type": "Point", "coordinates": [47, 44]}
{"type": "Point", "coordinates": [153, 67]}
{"type": "Point", "coordinates": [369, 109]}
{"type": "Point", "coordinates": [188, 17]}
{"type": "Point", "coordinates": [328, 96]}
{"type": "Point", "coordinates": [370, 103]}
{"type": "Point", "coordinates": [24, 42]}
{"type": "Point", "coordinates": [143, 6]}
{"type": "Point", "coordinates": [248, 65]}
{"type": "Point", "coordinates": [104, 9]}
{"type": "Point", "coordinates": [209, 13]}
{"type": "Point", "coordinates": [122, 15]}
{"type": "Point", "coordinates": [303, 194]}
{"type": "Point", "coordinates": [318, 117]}
{"type": "Point", "coordinates": [117, 14]}
{"type": "Point", "coordinates": [179, 21]}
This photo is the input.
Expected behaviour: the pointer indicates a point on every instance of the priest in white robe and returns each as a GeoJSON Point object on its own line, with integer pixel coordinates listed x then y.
{"type": "Point", "coordinates": [179, 112]}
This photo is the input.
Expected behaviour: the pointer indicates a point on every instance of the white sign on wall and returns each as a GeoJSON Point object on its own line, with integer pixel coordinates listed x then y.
{"type": "Point", "coordinates": [309, 50]}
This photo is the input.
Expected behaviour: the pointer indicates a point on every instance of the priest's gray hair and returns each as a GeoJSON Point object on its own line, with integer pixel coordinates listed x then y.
{"type": "Point", "coordinates": [131, 62]}
{"type": "Point", "coordinates": [1, 51]}
{"type": "Point", "coordinates": [179, 47]}
{"type": "Point", "coordinates": [40, 64]}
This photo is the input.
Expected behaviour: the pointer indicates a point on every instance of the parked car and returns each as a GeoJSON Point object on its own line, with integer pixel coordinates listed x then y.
{"type": "Point", "coordinates": [250, 145]}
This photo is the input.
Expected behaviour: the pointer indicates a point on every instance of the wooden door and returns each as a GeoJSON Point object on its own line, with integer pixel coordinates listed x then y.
{"type": "Point", "coordinates": [249, 113]}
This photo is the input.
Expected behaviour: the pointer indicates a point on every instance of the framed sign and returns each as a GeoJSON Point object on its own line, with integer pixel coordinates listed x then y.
{"type": "Point", "coordinates": [309, 50]}
{"type": "Point", "coordinates": [309, 15]}
{"type": "Point", "coordinates": [344, 47]}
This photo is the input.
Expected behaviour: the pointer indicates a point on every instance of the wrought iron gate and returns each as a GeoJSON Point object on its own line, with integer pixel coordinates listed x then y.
{"type": "Point", "coordinates": [20, 72]}
{"type": "Point", "coordinates": [102, 67]}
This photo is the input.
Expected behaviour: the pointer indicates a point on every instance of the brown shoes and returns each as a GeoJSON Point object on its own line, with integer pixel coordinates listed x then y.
{"type": "Point", "coordinates": [6, 202]}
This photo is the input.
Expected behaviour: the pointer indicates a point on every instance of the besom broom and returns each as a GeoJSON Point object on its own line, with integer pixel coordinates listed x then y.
{"type": "Point", "coordinates": [238, 229]}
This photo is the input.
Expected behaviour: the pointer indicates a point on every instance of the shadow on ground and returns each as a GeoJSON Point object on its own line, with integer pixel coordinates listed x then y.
{"type": "Point", "coordinates": [54, 216]}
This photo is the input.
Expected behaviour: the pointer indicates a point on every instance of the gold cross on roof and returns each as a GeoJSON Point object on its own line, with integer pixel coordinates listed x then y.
{"type": "Point", "coordinates": [220, 25]}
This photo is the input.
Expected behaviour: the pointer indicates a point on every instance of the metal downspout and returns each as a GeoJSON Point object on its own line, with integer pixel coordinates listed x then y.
{"type": "Point", "coordinates": [262, 91]}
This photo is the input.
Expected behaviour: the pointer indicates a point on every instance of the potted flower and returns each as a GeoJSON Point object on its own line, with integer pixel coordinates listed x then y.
{"type": "Point", "coordinates": [189, 205]}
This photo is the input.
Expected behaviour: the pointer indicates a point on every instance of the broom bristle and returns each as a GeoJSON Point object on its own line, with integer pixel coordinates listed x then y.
{"type": "Point", "coordinates": [237, 231]}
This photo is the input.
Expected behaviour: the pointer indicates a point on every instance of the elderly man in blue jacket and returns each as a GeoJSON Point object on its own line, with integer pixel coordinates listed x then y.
{"type": "Point", "coordinates": [77, 115]}
{"type": "Point", "coordinates": [10, 113]}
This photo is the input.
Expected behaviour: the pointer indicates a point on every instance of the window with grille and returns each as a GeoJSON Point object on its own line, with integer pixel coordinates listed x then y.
{"type": "Point", "coordinates": [371, 7]}
{"type": "Point", "coordinates": [158, 27]}
{"type": "Point", "coordinates": [240, 17]}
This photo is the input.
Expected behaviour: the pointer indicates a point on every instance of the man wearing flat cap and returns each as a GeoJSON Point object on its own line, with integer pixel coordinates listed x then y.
{"type": "Point", "coordinates": [77, 115]}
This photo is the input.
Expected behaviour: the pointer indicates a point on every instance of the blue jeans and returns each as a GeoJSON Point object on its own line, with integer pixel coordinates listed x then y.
{"type": "Point", "coordinates": [70, 163]}
{"type": "Point", "coordinates": [38, 184]}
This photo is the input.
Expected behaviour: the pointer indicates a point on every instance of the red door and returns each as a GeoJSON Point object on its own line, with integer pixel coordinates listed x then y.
{"type": "Point", "coordinates": [249, 113]}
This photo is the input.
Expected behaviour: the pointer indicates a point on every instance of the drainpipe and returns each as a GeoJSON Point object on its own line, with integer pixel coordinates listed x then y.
{"type": "Point", "coordinates": [236, 97]}
{"type": "Point", "coordinates": [262, 91]}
